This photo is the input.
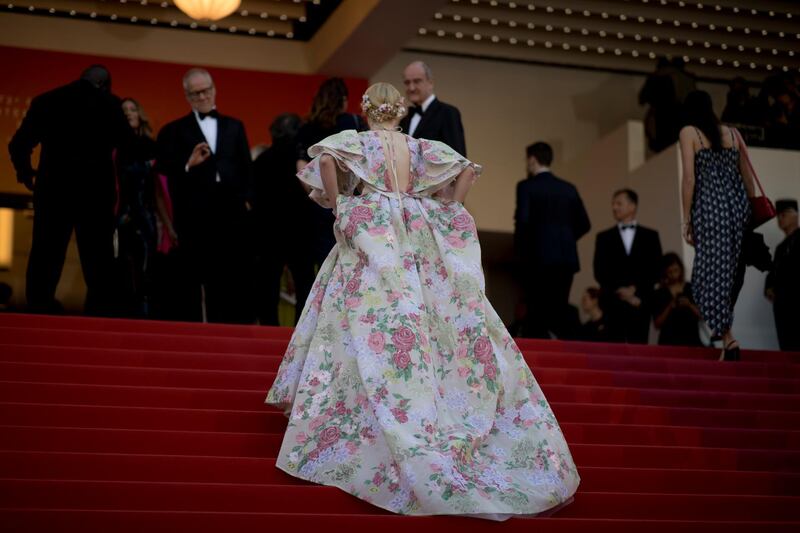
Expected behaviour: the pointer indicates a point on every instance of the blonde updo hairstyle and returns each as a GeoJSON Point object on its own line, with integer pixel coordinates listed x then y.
{"type": "Point", "coordinates": [383, 103]}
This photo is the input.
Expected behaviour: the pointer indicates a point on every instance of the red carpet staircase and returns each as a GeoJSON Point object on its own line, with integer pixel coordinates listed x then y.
{"type": "Point", "coordinates": [127, 426]}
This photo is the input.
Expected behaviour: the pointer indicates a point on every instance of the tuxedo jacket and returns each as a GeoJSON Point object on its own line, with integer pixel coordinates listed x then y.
{"type": "Point", "coordinates": [441, 122]}
{"type": "Point", "coordinates": [78, 127]}
{"type": "Point", "coordinates": [613, 268]}
{"type": "Point", "coordinates": [549, 220]}
{"type": "Point", "coordinates": [200, 198]}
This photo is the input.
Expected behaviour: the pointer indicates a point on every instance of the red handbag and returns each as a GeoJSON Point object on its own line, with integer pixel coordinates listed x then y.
{"type": "Point", "coordinates": [761, 208]}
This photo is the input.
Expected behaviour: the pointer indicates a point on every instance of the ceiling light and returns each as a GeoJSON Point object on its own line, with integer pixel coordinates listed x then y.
{"type": "Point", "coordinates": [208, 9]}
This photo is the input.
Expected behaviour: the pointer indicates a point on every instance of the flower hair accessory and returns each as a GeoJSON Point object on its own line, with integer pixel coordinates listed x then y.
{"type": "Point", "coordinates": [383, 112]}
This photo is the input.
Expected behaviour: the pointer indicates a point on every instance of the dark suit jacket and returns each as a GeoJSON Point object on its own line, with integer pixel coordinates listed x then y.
{"type": "Point", "coordinates": [614, 269]}
{"type": "Point", "coordinates": [441, 122]}
{"type": "Point", "coordinates": [549, 220]}
{"type": "Point", "coordinates": [199, 201]}
{"type": "Point", "coordinates": [78, 127]}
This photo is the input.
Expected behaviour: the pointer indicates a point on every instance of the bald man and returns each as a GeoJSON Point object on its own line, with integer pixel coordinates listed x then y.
{"type": "Point", "coordinates": [428, 117]}
{"type": "Point", "coordinates": [77, 126]}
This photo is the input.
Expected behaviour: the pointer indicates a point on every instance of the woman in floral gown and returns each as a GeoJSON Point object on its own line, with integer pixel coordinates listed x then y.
{"type": "Point", "coordinates": [401, 384]}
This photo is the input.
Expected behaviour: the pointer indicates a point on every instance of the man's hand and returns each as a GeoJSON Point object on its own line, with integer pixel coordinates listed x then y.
{"type": "Point", "coordinates": [770, 294]}
{"type": "Point", "coordinates": [626, 293]}
{"type": "Point", "coordinates": [200, 153]}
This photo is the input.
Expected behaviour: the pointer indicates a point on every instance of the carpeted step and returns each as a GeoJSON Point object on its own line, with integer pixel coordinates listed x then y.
{"type": "Point", "coordinates": [232, 379]}
{"type": "Point", "coordinates": [250, 421]}
{"type": "Point", "coordinates": [137, 341]}
{"type": "Point", "coordinates": [206, 522]}
{"type": "Point", "coordinates": [228, 497]}
{"type": "Point", "coordinates": [209, 469]}
{"type": "Point", "coordinates": [265, 417]}
{"type": "Point", "coordinates": [271, 361]}
{"type": "Point", "coordinates": [147, 396]}
{"type": "Point", "coordinates": [146, 327]}
{"type": "Point", "coordinates": [263, 445]}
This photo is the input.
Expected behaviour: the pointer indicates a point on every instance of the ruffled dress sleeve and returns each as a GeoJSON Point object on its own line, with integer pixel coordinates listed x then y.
{"type": "Point", "coordinates": [346, 149]}
{"type": "Point", "coordinates": [439, 166]}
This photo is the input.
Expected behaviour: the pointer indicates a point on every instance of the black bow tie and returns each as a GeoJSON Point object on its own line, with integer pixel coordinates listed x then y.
{"type": "Point", "coordinates": [627, 226]}
{"type": "Point", "coordinates": [213, 114]}
{"type": "Point", "coordinates": [417, 110]}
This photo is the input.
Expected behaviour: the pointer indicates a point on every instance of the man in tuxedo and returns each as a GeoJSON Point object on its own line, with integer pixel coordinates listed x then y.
{"type": "Point", "coordinates": [549, 220]}
{"type": "Point", "coordinates": [626, 263]}
{"type": "Point", "coordinates": [429, 117]}
{"type": "Point", "coordinates": [206, 158]}
{"type": "Point", "coordinates": [783, 281]}
{"type": "Point", "coordinates": [78, 127]}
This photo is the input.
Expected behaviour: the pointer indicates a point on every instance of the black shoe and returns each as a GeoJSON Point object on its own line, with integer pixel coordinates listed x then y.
{"type": "Point", "coordinates": [731, 352]}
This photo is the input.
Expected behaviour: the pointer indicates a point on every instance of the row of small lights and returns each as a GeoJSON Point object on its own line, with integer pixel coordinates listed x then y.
{"type": "Point", "coordinates": [619, 35]}
{"type": "Point", "coordinates": [640, 19]}
{"type": "Point", "coordinates": [173, 23]}
{"type": "Point", "coordinates": [698, 5]}
{"type": "Point", "coordinates": [717, 7]}
{"type": "Point", "coordinates": [583, 48]}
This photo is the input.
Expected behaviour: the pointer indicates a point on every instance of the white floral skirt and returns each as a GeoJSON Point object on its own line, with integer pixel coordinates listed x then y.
{"type": "Point", "coordinates": [402, 385]}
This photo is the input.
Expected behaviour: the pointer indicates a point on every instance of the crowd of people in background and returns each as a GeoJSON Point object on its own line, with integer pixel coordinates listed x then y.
{"type": "Point", "coordinates": [769, 118]}
{"type": "Point", "coordinates": [186, 226]}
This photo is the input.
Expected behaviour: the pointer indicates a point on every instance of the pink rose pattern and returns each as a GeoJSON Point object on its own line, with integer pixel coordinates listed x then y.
{"type": "Point", "coordinates": [401, 384]}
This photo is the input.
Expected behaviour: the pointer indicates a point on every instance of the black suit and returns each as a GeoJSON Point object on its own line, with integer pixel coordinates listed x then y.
{"type": "Point", "coordinates": [784, 280]}
{"type": "Point", "coordinates": [613, 268]}
{"type": "Point", "coordinates": [549, 220]}
{"type": "Point", "coordinates": [440, 122]}
{"type": "Point", "coordinates": [281, 203]}
{"type": "Point", "coordinates": [211, 218]}
{"type": "Point", "coordinates": [78, 127]}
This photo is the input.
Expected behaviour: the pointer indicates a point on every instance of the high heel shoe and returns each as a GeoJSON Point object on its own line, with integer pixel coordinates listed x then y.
{"type": "Point", "coordinates": [731, 352]}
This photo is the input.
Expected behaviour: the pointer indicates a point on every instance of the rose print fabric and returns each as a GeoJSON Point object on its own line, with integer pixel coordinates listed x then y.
{"type": "Point", "coordinates": [401, 384]}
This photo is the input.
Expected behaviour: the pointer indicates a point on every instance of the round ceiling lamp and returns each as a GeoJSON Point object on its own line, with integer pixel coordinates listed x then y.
{"type": "Point", "coordinates": [208, 9]}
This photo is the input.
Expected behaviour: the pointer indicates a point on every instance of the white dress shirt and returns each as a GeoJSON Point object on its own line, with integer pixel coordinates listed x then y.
{"type": "Point", "coordinates": [627, 234]}
{"type": "Point", "coordinates": [208, 125]}
{"type": "Point", "coordinates": [417, 118]}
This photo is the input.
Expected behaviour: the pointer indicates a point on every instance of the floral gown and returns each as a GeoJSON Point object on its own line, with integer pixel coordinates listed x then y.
{"type": "Point", "coordinates": [401, 384]}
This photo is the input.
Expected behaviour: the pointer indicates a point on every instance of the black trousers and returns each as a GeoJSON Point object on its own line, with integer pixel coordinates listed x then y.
{"type": "Point", "coordinates": [56, 215]}
{"type": "Point", "coordinates": [547, 301]}
{"type": "Point", "coordinates": [270, 267]}
{"type": "Point", "coordinates": [625, 323]}
{"type": "Point", "coordinates": [787, 320]}
{"type": "Point", "coordinates": [216, 264]}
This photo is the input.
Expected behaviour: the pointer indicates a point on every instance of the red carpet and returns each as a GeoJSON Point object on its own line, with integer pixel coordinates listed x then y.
{"type": "Point", "coordinates": [130, 426]}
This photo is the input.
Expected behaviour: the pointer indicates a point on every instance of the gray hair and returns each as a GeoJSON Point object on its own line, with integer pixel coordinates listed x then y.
{"type": "Point", "coordinates": [195, 72]}
{"type": "Point", "coordinates": [425, 68]}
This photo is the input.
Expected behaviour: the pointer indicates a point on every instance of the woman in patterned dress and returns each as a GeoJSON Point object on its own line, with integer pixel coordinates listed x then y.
{"type": "Point", "coordinates": [401, 384]}
{"type": "Point", "coordinates": [716, 186]}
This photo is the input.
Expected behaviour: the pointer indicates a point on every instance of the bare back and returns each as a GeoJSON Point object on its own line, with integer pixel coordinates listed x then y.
{"type": "Point", "coordinates": [398, 158]}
